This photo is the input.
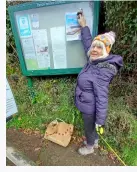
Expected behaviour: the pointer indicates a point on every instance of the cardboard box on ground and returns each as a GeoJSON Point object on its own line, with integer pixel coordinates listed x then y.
{"type": "Point", "coordinates": [59, 132]}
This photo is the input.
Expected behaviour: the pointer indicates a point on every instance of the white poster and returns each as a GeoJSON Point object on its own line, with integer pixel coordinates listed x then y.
{"type": "Point", "coordinates": [28, 48]}
{"type": "Point", "coordinates": [41, 47]}
{"type": "Point", "coordinates": [43, 60]}
{"type": "Point", "coordinates": [58, 47]}
{"type": "Point", "coordinates": [11, 107]}
{"type": "Point", "coordinates": [73, 29]}
{"type": "Point", "coordinates": [35, 20]}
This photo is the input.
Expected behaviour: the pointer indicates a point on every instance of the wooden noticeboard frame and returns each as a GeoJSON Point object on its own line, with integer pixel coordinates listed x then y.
{"type": "Point", "coordinates": [39, 4]}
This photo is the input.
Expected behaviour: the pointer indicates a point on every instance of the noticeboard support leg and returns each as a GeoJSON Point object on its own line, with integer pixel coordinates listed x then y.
{"type": "Point", "coordinates": [31, 91]}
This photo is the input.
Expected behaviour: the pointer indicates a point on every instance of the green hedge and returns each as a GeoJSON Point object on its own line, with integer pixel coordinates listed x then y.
{"type": "Point", "coordinates": [121, 17]}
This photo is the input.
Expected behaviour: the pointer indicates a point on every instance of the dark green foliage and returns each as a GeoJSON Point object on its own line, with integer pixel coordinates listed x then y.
{"type": "Point", "coordinates": [121, 17]}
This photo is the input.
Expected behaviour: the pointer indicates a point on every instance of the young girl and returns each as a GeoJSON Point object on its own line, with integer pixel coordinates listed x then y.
{"type": "Point", "coordinates": [91, 94]}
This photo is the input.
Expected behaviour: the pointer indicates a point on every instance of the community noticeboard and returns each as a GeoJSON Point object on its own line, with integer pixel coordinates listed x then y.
{"type": "Point", "coordinates": [47, 35]}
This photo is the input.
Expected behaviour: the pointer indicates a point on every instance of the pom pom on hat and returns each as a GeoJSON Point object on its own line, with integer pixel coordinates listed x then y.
{"type": "Point", "coordinates": [111, 36]}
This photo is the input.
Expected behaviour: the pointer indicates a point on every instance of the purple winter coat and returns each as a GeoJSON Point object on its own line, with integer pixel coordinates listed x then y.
{"type": "Point", "coordinates": [91, 93]}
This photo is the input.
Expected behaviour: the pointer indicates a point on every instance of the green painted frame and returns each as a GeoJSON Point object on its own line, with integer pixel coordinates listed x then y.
{"type": "Point", "coordinates": [38, 4]}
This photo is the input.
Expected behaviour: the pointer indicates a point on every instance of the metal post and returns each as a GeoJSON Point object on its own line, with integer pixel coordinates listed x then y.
{"type": "Point", "coordinates": [31, 91]}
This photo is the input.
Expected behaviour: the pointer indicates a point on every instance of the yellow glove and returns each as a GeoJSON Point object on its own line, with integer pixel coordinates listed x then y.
{"type": "Point", "coordinates": [99, 129]}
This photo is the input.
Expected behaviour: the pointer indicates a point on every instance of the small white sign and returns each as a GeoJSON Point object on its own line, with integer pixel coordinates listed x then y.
{"type": "Point", "coordinates": [11, 107]}
{"type": "Point", "coordinates": [35, 20]}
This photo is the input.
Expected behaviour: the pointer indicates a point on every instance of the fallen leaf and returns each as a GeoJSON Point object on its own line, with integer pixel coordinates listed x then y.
{"type": "Point", "coordinates": [42, 135]}
{"type": "Point", "coordinates": [37, 132]}
{"type": "Point", "coordinates": [111, 156]}
{"type": "Point", "coordinates": [83, 137]}
{"type": "Point", "coordinates": [36, 149]}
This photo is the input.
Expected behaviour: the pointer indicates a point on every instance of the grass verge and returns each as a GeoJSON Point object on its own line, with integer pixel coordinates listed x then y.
{"type": "Point", "coordinates": [55, 99]}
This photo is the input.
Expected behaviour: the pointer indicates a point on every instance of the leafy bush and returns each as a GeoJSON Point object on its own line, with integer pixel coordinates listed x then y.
{"type": "Point", "coordinates": [121, 17]}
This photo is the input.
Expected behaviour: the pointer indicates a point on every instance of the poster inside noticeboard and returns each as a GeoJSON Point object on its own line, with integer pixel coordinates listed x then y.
{"type": "Point", "coordinates": [50, 36]}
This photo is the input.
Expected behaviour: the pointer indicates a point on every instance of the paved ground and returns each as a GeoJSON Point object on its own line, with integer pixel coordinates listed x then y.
{"type": "Point", "coordinates": [46, 153]}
